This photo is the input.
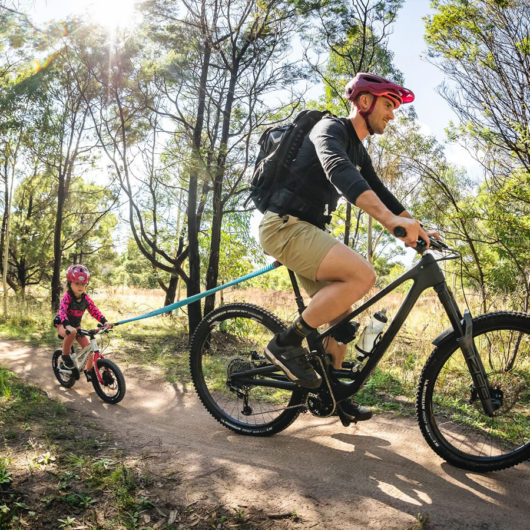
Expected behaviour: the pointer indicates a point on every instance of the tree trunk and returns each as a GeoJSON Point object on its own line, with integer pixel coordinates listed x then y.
{"type": "Point", "coordinates": [57, 252]}
{"type": "Point", "coordinates": [347, 225]}
{"type": "Point", "coordinates": [217, 220]}
{"type": "Point", "coordinates": [194, 283]}
{"type": "Point", "coordinates": [370, 245]}
{"type": "Point", "coordinates": [171, 289]}
{"type": "Point", "coordinates": [6, 242]}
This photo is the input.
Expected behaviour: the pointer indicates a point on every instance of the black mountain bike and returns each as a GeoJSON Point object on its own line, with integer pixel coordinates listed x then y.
{"type": "Point", "coordinates": [473, 396]}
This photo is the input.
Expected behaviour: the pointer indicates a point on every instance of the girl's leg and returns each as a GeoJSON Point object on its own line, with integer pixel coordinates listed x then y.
{"type": "Point", "coordinates": [68, 340]}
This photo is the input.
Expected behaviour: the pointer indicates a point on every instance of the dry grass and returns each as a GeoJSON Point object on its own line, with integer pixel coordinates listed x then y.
{"type": "Point", "coordinates": [158, 346]}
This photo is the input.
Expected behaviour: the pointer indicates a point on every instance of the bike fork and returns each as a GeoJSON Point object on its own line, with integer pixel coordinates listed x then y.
{"type": "Point", "coordinates": [97, 357]}
{"type": "Point", "coordinates": [463, 326]}
{"type": "Point", "coordinates": [474, 363]}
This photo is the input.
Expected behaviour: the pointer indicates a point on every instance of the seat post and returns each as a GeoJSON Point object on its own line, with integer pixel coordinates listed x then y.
{"type": "Point", "coordinates": [297, 294]}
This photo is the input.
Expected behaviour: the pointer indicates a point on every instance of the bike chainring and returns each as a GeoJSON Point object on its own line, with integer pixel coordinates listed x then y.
{"type": "Point", "coordinates": [321, 403]}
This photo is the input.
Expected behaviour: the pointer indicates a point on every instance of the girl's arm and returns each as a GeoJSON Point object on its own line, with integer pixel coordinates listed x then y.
{"type": "Point", "coordinates": [63, 309]}
{"type": "Point", "coordinates": [94, 311]}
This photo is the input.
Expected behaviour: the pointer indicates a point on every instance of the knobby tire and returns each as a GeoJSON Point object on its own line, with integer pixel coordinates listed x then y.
{"type": "Point", "coordinates": [232, 339]}
{"type": "Point", "coordinates": [450, 414]}
{"type": "Point", "coordinates": [112, 390]}
{"type": "Point", "coordinates": [64, 380]}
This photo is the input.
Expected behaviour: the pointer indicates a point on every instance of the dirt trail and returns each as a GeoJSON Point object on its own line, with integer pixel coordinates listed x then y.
{"type": "Point", "coordinates": [377, 474]}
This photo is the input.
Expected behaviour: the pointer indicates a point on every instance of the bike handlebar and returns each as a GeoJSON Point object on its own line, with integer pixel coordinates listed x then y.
{"type": "Point", "coordinates": [92, 332]}
{"type": "Point", "coordinates": [421, 245]}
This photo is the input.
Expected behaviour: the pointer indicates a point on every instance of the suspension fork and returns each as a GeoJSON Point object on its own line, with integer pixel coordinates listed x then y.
{"type": "Point", "coordinates": [463, 327]}
{"type": "Point", "coordinates": [97, 357]}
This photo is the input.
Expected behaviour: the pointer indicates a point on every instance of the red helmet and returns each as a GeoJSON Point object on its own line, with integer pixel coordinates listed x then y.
{"type": "Point", "coordinates": [78, 274]}
{"type": "Point", "coordinates": [378, 86]}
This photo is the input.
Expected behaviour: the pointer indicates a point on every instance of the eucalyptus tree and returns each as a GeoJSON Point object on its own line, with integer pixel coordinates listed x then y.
{"type": "Point", "coordinates": [221, 60]}
{"type": "Point", "coordinates": [61, 138]}
{"type": "Point", "coordinates": [15, 75]}
{"type": "Point", "coordinates": [483, 48]}
{"type": "Point", "coordinates": [142, 156]}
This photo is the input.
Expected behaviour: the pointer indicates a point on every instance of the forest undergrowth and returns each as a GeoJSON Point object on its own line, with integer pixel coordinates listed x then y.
{"type": "Point", "coordinates": [157, 347]}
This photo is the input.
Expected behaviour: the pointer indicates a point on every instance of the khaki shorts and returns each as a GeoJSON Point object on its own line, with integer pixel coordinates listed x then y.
{"type": "Point", "coordinates": [298, 245]}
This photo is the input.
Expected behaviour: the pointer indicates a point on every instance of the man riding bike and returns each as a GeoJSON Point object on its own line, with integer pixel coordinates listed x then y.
{"type": "Point", "coordinates": [332, 161]}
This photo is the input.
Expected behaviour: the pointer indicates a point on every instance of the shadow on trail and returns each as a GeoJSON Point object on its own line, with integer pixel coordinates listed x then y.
{"type": "Point", "coordinates": [376, 474]}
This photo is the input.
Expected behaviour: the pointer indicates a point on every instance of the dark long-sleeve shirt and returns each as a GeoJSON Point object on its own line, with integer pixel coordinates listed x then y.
{"type": "Point", "coordinates": [332, 162]}
{"type": "Point", "coordinates": [72, 310]}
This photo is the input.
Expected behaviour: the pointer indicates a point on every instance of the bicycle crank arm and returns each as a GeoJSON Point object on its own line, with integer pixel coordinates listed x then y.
{"type": "Point", "coordinates": [474, 363]}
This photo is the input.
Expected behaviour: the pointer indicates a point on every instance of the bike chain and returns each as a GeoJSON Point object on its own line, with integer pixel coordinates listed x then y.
{"type": "Point", "coordinates": [303, 405]}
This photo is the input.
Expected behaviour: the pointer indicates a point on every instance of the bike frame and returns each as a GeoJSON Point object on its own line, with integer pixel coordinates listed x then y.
{"type": "Point", "coordinates": [81, 357]}
{"type": "Point", "coordinates": [425, 274]}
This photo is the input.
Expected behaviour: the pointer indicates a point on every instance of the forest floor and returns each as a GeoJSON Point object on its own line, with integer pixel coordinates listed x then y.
{"type": "Point", "coordinates": [315, 474]}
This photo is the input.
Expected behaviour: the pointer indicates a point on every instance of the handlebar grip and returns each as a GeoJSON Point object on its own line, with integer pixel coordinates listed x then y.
{"type": "Point", "coordinates": [399, 231]}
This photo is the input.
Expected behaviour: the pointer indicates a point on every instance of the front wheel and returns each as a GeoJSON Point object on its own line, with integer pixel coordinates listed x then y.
{"type": "Point", "coordinates": [112, 389]}
{"type": "Point", "coordinates": [232, 339]}
{"type": "Point", "coordinates": [65, 377]}
{"type": "Point", "coordinates": [450, 413]}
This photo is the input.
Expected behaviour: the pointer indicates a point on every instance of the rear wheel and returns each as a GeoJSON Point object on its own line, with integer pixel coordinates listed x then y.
{"type": "Point", "coordinates": [65, 376]}
{"type": "Point", "coordinates": [231, 340]}
{"type": "Point", "coordinates": [450, 413]}
{"type": "Point", "coordinates": [112, 389]}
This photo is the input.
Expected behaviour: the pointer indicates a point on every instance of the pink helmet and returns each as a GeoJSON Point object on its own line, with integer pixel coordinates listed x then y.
{"type": "Point", "coordinates": [379, 86]}
{"type": "Point", "coordinates": [78, 274]}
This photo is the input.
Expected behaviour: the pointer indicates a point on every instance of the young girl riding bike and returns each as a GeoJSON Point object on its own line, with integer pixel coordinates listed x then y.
{"type": "Point", "coordinates": [73, 305]}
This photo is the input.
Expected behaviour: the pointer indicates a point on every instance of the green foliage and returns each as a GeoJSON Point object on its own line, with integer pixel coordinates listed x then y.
{"type": "Point", "coordinates": [5, 476]}
{"type": "Point", "coordinates": [134, 269]}
{"type": "Point", "coordinates": [481, 46]}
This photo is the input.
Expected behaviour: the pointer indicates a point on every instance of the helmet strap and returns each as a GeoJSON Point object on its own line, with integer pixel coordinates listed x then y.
{"type": "Point", "coordinates": [366, 113]}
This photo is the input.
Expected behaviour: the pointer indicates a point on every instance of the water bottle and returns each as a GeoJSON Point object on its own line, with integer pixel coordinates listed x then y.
{"type": "Point", "coordinates": [370, 334]}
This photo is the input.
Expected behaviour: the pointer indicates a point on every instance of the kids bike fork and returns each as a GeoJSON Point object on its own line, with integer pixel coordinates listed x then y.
{"type": "Point", "coordinates": [463, 327]}
{"type": "Point", "coordinates": [97, 357]}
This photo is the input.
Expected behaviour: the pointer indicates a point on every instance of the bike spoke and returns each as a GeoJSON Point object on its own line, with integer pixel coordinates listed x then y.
{"type": "Point", "coordinates": [232, 376]}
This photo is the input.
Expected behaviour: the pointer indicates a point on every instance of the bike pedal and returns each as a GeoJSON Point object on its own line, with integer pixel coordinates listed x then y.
{"type": "Point", "coordinates": [344, 419]}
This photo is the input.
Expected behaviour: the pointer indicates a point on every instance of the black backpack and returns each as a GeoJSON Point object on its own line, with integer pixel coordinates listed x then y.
{"type": "Point", "coordinates": [278, 149]}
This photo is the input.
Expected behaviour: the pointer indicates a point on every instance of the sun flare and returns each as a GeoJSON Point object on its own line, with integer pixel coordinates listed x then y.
{"type": "Point", "coordinates": [114, 14]}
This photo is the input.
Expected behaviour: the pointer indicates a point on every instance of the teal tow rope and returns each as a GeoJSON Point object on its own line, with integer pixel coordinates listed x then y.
{"type": "Point", "coordinates": [198, 296]}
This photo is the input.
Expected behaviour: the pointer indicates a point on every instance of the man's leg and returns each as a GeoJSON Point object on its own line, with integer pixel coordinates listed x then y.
{"type": "Point", "coordinates": [315, 255]}
{"type": "Point", "coordinates": [350, 277]}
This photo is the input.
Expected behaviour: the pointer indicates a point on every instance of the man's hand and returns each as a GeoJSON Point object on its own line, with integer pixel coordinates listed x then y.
{"type": "Point", "coordinates": [433, 233]}
{"type": "Point", "coordinates": [412, 227]}
{"type": "Point", "coordinates": [107, 325]}
{"type": "Point", "coordinates": [70, 329]}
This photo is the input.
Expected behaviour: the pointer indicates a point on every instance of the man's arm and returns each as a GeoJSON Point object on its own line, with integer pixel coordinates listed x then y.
{"type": "Point", "coordinates": [373, 206]}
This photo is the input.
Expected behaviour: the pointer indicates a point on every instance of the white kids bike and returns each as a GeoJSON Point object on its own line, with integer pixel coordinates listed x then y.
{"type": "Point", "coordinates": [108, 380]}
